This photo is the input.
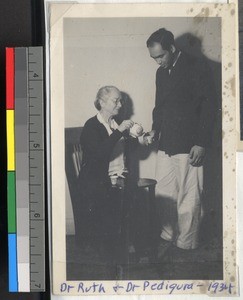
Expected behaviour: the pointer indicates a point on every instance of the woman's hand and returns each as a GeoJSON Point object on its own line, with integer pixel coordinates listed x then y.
{"type": "Point", "coordinates": [125, 125]}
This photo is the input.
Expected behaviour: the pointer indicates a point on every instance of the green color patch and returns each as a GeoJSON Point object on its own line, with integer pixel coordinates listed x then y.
{"type": "Point", "coordinates": [11, 202]}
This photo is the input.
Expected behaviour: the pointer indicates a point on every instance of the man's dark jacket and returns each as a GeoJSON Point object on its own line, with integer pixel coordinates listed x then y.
{"type": "Point", "coordinates": [184, 106]}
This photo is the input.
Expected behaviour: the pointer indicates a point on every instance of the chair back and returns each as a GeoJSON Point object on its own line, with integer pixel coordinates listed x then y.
{"type": "Point", "coordinates": [73, 161]}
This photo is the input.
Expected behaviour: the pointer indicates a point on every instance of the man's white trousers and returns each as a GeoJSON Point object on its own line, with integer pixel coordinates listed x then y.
{"type": "Point", "coordinates": [178, 197]}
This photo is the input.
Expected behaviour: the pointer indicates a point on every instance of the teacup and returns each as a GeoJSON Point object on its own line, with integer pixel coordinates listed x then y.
{"type": "Point", "coordinates": [136, 130]}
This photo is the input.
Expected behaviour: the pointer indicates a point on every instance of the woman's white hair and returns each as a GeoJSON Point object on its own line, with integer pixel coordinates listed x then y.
{"type": "Point", "coordinates": [102, 94]}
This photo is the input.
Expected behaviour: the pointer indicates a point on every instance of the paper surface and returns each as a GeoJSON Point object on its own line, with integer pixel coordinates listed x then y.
{"type": "Point", "coordinates": [59, 119]}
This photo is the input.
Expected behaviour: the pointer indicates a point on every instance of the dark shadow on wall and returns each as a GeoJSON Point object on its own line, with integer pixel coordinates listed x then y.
{"type": "Point", "coordinates": [126, 112]}
{"type": "Point", "coordinates": [141, 152]}
{"type": "Point", "coordinates": [212, 201]}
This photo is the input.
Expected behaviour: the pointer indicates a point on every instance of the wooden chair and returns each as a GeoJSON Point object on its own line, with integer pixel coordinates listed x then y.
{"type": "Point", "coordinates": [73, 160]}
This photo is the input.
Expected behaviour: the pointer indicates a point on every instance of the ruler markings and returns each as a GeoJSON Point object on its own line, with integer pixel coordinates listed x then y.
{"type": "Point", "coordinates": [37, 279]}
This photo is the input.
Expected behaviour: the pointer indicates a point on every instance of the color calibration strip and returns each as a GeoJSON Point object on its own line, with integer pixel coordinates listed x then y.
{"type": "Point", "coordinates": [11, 183]}
{"type": "Point", "coordinates": [25, 148]}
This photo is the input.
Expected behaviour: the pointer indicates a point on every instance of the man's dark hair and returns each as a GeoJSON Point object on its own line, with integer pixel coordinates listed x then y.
{"type": "Point", "coordinates": [162, 36]}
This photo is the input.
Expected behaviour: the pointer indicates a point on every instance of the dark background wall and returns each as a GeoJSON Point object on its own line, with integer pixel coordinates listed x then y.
{"type": "Point", "coordinates": [241, 63]}
{"type": "Point", "coordinates": [21, 25]}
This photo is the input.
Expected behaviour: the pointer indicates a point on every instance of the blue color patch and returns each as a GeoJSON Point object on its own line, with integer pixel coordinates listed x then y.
{"type": "Point", "coordinates": [12, 262]}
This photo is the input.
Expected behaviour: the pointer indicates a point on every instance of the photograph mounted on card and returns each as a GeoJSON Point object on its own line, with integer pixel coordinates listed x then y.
{"type": "Point", "coordinates": [142, 115]}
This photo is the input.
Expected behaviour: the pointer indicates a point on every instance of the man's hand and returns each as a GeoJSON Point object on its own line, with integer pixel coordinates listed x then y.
{"type": "Point", "coordinates": [196, 156]}
{"type": "Point", "coordinates": [149, 137]}
{"type": "Point", "coordinates": [125, 125]}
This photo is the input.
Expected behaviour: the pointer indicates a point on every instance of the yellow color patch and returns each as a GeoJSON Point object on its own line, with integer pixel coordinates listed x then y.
{"type": "Point", "coordinates": [10, 140]}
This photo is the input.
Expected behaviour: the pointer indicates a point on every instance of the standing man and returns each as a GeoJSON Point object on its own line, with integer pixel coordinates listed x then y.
{"type": "Point", "coordinates": [182, 124]}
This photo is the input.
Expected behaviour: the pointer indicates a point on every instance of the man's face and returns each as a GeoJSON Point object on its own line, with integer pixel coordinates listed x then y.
{"type": "Point", "coordinates": [163, 57]}
{"type": "Point", "coordinates": [112, 102]}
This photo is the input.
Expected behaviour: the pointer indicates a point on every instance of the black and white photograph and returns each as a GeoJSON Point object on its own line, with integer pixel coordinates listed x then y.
{"type": "Point", "coordinates": [141, 132]}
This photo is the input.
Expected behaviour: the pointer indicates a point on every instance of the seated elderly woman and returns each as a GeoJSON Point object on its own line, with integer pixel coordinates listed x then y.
{"type": "Point", "coordinates": [103, 143]}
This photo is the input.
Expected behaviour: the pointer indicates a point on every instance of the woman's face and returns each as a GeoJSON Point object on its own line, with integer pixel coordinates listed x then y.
{"type": "Point", "coordinates": [112, 103]}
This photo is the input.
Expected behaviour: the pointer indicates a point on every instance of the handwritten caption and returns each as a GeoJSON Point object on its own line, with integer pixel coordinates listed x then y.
{"type": "Point", "coordinates": [145, 286]}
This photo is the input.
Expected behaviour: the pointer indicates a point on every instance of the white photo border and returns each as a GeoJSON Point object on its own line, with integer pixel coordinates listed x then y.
{"type": "Point", "coordinates": [229, 141]}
